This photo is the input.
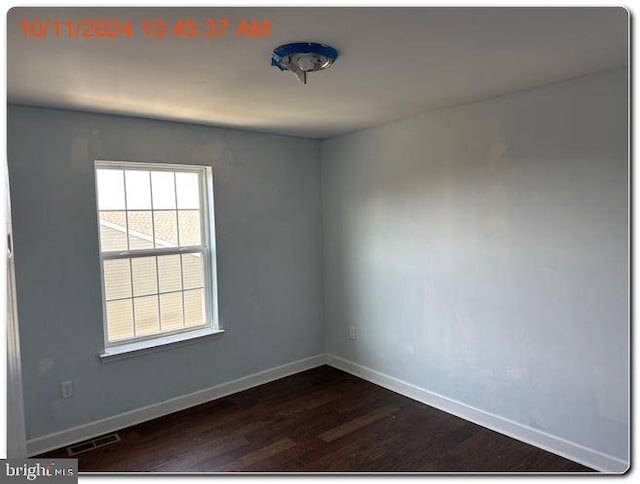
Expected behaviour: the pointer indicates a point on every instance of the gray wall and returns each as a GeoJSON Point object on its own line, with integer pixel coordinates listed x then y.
{"type": "Point", "coordinates": [267, 196]}
{"type": "Point", "coordinates": [481, 252]}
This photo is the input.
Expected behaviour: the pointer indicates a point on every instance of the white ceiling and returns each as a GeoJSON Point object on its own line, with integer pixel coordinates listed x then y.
{"type": "Point", "coordinates": [393, 62]}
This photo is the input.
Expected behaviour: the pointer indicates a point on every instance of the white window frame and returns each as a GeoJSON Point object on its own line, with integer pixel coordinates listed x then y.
{"type": "Point", "coordinates": [207, 249]}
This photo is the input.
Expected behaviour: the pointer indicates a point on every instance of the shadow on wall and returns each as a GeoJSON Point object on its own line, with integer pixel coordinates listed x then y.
{"type": "Point", "coordinates": [481, 252]}
{"type": "Point", "coordinates": [86, 144]}
{"type": "Point", "coordinates": [405, 213]}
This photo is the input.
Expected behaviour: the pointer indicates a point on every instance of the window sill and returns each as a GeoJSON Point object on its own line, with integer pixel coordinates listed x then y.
{"type": "Point", "coordinates": [139, 348]}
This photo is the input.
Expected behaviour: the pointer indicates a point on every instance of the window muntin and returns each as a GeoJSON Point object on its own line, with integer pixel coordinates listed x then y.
{"type": "Point", "coordinates": [154, 249]}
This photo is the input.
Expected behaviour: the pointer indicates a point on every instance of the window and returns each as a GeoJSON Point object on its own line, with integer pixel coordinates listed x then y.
{"type": "Point", "coordinates": [155, 251]}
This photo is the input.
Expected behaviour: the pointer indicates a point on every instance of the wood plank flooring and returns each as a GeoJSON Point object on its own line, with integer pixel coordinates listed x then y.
{"type": "Point", "coordinates": [316, 421]}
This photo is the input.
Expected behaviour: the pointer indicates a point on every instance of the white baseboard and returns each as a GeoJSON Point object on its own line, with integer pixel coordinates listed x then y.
{"type": "Point", "coordinates": [110, 424]}
{"type": "Point", "coordinates": [570, 450]}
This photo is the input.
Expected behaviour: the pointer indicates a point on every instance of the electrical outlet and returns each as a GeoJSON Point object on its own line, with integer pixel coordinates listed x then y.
{"type": "Point", "coordinates": [352, 333]}
{"type": "Point", "coordinates": [66, 389]}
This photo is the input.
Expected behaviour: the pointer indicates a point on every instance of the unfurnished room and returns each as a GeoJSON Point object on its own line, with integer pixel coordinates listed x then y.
{"type": "Point", "coordinates": [318, 240]}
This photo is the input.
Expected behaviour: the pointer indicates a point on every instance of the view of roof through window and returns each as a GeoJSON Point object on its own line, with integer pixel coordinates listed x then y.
{"type": "Point", "coordinates": [154, 208]}
{"type": "Point", "coordinates": [158, 212]}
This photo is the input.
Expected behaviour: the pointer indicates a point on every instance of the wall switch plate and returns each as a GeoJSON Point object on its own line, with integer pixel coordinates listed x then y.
{"type": "Point", "coordinates": [352, 333]}
{"type": "Point", "coordinates": [66, 389]}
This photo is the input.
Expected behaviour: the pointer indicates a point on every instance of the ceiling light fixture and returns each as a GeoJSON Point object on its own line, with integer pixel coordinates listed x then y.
{"type": "Point", "coordinates": [303, 57]}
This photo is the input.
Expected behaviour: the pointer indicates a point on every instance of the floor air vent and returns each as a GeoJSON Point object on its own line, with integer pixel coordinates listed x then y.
{"type": "Point", "coordinates": [88, 445]}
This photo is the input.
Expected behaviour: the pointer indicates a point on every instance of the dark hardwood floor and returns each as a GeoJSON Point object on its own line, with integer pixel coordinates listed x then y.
{"type": "Point", "coordinates": [319, 420]}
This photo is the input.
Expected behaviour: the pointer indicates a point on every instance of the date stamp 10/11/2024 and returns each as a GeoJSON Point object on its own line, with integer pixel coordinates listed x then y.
{"type": "Point", "coordinates": [103, 28]}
